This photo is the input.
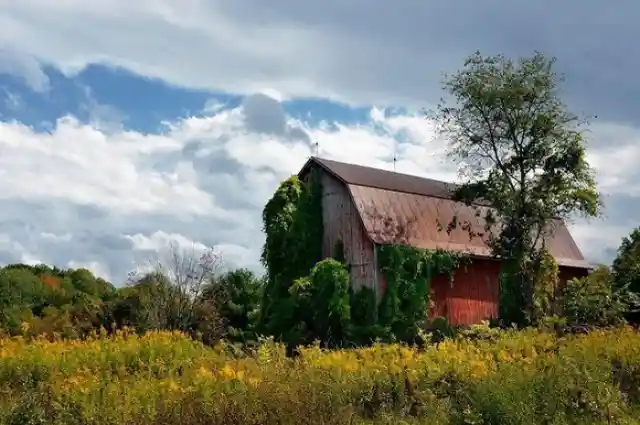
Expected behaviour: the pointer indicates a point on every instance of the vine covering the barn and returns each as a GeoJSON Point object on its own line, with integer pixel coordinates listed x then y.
{"type": "Point", "coordinates": [292, 221]}
{"type": "Point", "coordinates": [308, 298]}
{"type": "Point", "coordinates": [403, 309]}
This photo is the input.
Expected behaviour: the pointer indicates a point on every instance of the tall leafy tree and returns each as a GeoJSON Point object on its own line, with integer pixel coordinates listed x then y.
{"type": "Point", "coordinates": [521, 152]}
{"type": "Point", "coordinates": [236, 296]}
{"type": "Point", "coordinates": [626, 265]}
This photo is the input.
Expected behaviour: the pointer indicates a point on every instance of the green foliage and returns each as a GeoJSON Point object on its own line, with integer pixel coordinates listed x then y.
{"type": "Point", "coordinates": [511, 295]}
{"type": "Point", "coordinates": [19, 286]}
{"type": "Point", "coordinates": [46, 300]}
{"type": "Point", "coordinates": [278, 217]}
{"type": "Point", "coordinates": [236, 297]}
{"type": "Point", "coordinates": [365, 329]}
{"type": "Point", "coordinates": [545, 285]}
{"type": "Point", "coordinates": [523, 154]}
{"type": "Point", "coordinates": [226, 307]}
{"type": "Point", "coordinates": [626, 265]}
{"type": "Point", "coordinates": [209, 326]}
{"type": "Point", "coordinates": [307, 230]}
{"type": "Point", "coordinates": [292, 221]}
{"type": "Point", "coordinates": [593, 301]}
{"type": "Point", "coordinates": [323, 303]}
{"type": "Point", "coordinates": [408, 271]}
{"type": "Point", "coordinates": [363, 306]}
{"type": "Point", "coordinates": [480, 332]}
{"type": "Point", "coordinates": [441, 329]}
{"type": "Point", "coordinates": [149, 303]}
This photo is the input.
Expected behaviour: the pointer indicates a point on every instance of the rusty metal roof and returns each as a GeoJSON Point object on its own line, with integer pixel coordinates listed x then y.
{"type": "Point", "coordinates": [399, 208]}
{"type": "Point", "coordinates": [383, 179]}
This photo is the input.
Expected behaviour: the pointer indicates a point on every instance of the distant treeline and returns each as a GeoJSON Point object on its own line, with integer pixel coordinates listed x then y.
{"type": "Point", "coordinates": [70, 303]}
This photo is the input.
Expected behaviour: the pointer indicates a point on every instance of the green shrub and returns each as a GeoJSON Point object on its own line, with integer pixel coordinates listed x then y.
{"type": "Point", "coordinates": [481, 331]}
{"type": "Point", "coordinates": [592, 301]}
{"type": "Point", "coordinates": [626, 265]}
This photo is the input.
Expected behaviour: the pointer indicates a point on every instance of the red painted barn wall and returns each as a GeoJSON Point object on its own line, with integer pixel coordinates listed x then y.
{"type": "Point", "coordinates": [474, 294]}
{"type": "Point", "coordinates": [472, 297]}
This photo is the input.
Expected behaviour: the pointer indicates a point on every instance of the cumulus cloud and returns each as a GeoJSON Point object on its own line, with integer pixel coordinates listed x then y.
{"type": "Point", "coordinates": [158, 241]}
{"type": "Point", "coordinates": [107, 199]}
{"type": "Point", "coordinates": [81, 195]}
{"type": "Point", "coordinates": [104, 170]}
{"type": "Point", "coordinates": [615, 153]}
{"type": "Point", "coordinates": [162, 243]}
{"type": "Point", "coordinates": [96, 267]}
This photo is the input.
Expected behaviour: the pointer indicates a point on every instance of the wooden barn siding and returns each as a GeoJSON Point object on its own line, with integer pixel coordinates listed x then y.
{"type": "Point", "coordinates": [475, 293]}
{"type": "Point", "coordinates": [342, 222]}
{"type": "Point", "coordinates": [471, 298]}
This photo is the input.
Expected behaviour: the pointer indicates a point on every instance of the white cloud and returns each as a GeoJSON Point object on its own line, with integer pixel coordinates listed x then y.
{"type": "Point", "coordinates": [205, 179]}
{"type": "Point", "coordinates": [66, 237]}
{"type": "Point", "coordinates": [597, 242]}
{"type": "Point", "coordinates": [32, 261]}
{"type": "Point", "coordinates": [12, 251]}
{"type": "Point", "coordinates": [79, 195]}
{"type": "Point", "coordinates": [162, 244]}
{"type": "Point", "coordinates": [159, 241]}
{"type": "Point", "coordinates": [95, 267]}
{"type": "Point", "coordinates": [272, 93]}
{"type": "Point", "coordinates": [23, 66]}
{"type": "Point", "coordinates": [616, 158]}
{"type": "Point", "coordinates": [80, 164]}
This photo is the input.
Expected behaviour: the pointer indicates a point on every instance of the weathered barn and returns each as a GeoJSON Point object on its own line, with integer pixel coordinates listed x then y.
{"type": "Point", "coordinates": [357, 201]}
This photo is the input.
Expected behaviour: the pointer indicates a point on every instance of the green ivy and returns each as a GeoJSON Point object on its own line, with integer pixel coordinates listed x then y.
{"type": "Point", "coordinates": [323, 299]}
{"type": "Point", "coordinates": [292, 221]}
{"type": "Point", "coordinates": [593, 300]}
{"type": "Point", "coordinates": [307, 298]}
{"type": "Point", "coordinates": [514, 308]}
{"type": "Point", "coordinates": [409, 271]}
{"type": "Point", "coordinates": [364, 325]}
{"type": "Point", "coordinates": [511, 294]}
{"type": "Point", "coordinates": [545, 283]}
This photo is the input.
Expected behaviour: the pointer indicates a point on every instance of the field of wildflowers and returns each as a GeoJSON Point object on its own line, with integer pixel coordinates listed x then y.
{"type": "Point", "coordinates": [512, 377]}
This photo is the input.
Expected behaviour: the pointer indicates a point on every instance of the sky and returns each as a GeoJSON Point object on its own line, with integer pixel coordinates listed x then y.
{"type": "Point", "coordinates": [129, 125]}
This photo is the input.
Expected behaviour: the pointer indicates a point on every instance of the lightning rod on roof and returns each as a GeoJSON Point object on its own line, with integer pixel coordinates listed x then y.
{"type": "Point", "coordinates": [395, 158]}
{"type": "Point", "coordinates": [317, 146]}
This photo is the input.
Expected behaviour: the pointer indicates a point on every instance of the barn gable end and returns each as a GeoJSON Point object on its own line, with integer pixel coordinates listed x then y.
{"type": "Point", "coordinates": [343, 225]}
